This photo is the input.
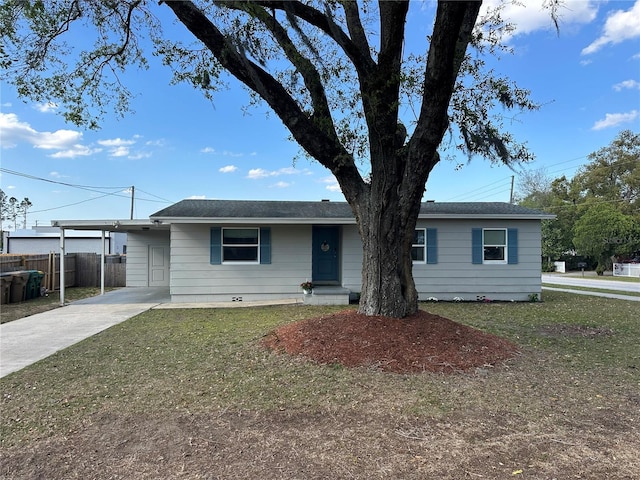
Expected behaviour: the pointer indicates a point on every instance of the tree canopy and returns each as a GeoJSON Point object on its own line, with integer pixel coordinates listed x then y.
{"type": "Point", "coordinates": [336, 73]}
{"type": "Point", "coordinates": [598, 210]}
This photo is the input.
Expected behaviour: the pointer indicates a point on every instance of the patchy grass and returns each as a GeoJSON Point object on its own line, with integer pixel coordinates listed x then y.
{"type": "Point", "coordinates": [14, 311]}
{"type": "Point", "coordinates": [190, 394]}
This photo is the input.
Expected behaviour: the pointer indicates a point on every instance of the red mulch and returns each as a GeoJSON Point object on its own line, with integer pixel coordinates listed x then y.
{"type": "Point", "coordinates": [420, 342]}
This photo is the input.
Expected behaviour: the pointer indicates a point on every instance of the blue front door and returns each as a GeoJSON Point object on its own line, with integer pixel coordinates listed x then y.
{"type": "Point", "coordinates": [325, 255]}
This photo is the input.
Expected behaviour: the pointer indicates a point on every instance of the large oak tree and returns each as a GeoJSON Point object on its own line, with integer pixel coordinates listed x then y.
{"type": "Point", "coordinates": [337, 73]}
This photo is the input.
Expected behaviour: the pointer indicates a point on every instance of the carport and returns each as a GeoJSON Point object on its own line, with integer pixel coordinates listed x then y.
{"type": "Point", "coordinates": [101, 226]}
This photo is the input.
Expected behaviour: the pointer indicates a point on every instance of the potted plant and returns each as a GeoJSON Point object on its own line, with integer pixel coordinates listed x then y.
{"type": "Point", "coordinates": [307, 287]}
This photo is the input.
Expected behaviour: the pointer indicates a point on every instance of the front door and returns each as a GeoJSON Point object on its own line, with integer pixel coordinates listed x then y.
{"type": "Point", "coordinates": [158, 266]}
{"type": "Point", "coordinates": [325, 258]}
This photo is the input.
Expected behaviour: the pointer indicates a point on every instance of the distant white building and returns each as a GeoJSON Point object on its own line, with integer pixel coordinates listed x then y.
{"type": "Point", "coordinates": [44, 239]}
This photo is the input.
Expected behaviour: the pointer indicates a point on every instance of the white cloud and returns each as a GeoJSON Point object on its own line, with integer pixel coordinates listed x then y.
{"type": "Point", "coordinates": [76, 151]}
{"type": "Point", "coordinates": [531, 15]}
{"type": "Point", "coordinates": [139, 155]}
{"type": "Point", "coordinates": [256, 173]}
{"type": "Point", "coordinates": [620, 26]}
{"type": "Point", "coordinates": [631, 84]}
{"type": "Point", "coordinates": [331, 183]}
{"type": "Point", "coordinates": [197, 197]}
{"type": "Point", "coordinates": [614, 119]}
{"type": "Point", "coordinates": [121, 151]}
{"type": "Point", "coordinates": [119, 147]}
{"type": "Point", "coordinates": [225, 153]}
{"type": "Point", "coordinates": [115, 142]}
{"type": "Point", "coordinates": [13, 131]}
{"type": "Point", "coordinates": [46, 107]}
{"type": "Point", "coordinates": [228, 169]}
{"type": "Point", "coordinates": [636, 56]}
{"type": "Point", "coordinates": [281, 185]}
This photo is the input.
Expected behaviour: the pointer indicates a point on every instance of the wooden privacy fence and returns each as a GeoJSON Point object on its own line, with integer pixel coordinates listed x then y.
{"type": "Point", "coordinates": [80, 269]}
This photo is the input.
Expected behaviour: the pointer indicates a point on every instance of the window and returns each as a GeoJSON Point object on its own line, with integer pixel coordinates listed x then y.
{"type": "Point", "coordinates": [240, 245]}
{"type": "Point", "coordinates": [494, 243]}
{"type": "Point", "coordinates": [424, 248]}
{"type": "Point", "coordinates": [494, 246]}
{"type": "Point", "coordinates": [418, 248]}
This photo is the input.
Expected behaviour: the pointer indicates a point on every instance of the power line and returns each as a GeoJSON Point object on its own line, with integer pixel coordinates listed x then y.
{"type": "Point", "coordinates": [33, 177]}
{"type": "Point", "coordinates": [69, 205]}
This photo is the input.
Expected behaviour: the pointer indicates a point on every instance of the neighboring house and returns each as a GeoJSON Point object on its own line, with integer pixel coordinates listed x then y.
{"type": "Point", "coordinates": [225, 250]}
{"type": "Point", "coordinates": [44, 239]}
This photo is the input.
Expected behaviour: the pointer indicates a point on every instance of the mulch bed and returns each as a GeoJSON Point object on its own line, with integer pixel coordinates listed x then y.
{"type": "Point", "coordinates": [418, 343]}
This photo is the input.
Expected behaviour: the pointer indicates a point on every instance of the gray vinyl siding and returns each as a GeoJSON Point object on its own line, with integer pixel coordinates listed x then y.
{"type": "Point", "coordinates": [195, 279]}
{"type": "Point", "coordinates": [351, 258]}
{"type": "Point", "coordinates": [138, 255]}
{"type": "Point", "coordinates": [455, 276]}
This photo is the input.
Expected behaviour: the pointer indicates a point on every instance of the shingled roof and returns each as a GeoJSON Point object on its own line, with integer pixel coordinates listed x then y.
{"type": "Point", "coordinates": [339, 212]}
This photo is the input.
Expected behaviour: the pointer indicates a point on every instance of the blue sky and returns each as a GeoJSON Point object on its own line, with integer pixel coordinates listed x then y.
{"type": "Point", "coordinates": [178, 145]}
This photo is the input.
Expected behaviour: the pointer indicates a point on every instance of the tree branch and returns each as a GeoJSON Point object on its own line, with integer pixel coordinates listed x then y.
{"type": "Point", "coordinates": [321, 146]}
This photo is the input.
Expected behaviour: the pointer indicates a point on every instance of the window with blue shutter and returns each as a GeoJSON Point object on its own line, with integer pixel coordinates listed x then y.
{"type": "Point", "coordinates": [265, 245]}
{"type": "Point", "coordinates": [240, 245]}
{"type": "Point", "coordinates": [432, 246]}
{"type": "Point", "coordinates": [512, 246]}
{"type": "Point", "coordinates": [494, 246]}
{"type": "Point", "coordinates": [216, 246]}
{"type": "Point", "coordinates": [477, 250]}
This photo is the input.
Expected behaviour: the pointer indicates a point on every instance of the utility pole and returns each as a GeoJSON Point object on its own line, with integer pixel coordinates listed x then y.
{"type": "Point", "coordinates": [511, 196]}
{"type": "Point", "coordinates": [133, 189]}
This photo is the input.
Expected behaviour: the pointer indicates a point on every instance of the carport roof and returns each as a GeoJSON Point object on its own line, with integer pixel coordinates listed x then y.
{"type": "Point", "coordinates": [113, 225]}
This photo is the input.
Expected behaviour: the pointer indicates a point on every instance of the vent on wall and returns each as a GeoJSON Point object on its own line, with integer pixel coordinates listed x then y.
{"type": "Point", "coordinates": [236, 299]}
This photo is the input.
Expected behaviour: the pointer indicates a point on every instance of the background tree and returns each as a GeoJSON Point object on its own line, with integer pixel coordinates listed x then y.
{"type": "Point", "coordinates": [613, 174]}
{"type": "Point", "coordinates": [604, 232]}
{"type": "Point", "coordinates": [336, 78]}
{"type": "Point", "coordinates": [21, 210]}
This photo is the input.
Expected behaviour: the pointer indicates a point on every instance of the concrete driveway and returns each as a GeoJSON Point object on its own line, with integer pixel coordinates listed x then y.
{"type": "Point", "coordinates": [27, 340]}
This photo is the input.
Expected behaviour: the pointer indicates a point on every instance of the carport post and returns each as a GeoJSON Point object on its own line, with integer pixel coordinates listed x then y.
{"type": "Point", "coordinates": [102, 267]}
{"type": "Point", "coordinates": [61, 266]}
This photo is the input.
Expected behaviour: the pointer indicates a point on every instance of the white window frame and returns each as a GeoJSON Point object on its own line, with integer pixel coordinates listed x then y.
{"type": "Point", "coordinates": [247, 245]}
{"type": "Point", "coordinates": [423, 246]}
{"type": "Point", "coordinates": [505, 247]}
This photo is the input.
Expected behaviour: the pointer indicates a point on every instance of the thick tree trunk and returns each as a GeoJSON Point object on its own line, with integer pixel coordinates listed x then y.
{"type": "Point", "coordinates": [387, 224]}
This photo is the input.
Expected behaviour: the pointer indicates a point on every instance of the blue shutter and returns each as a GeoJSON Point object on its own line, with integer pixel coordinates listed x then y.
{"type": "Point", "coordinates": [432, 245]}
{"type": "Point", "coordinates": [477, 250]}
{"type": "Point", "coordinates": [265, 245]}
{"type": "Point", "coordinates": [512, 246]}
{"type": "Point", "coordinates": [216, 246]}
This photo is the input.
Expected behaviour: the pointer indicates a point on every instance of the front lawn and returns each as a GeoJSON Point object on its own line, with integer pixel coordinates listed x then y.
{"type": "Point", "coordinates": [191, 394]}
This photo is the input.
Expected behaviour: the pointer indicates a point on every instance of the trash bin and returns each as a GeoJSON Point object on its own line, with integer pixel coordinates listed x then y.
{"type": "Point", "coordinates": [33, 284]}
{"type": "Point", "coordinates": [18, 290]}
{"type": "Point", "coordinates": [5, 285]}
